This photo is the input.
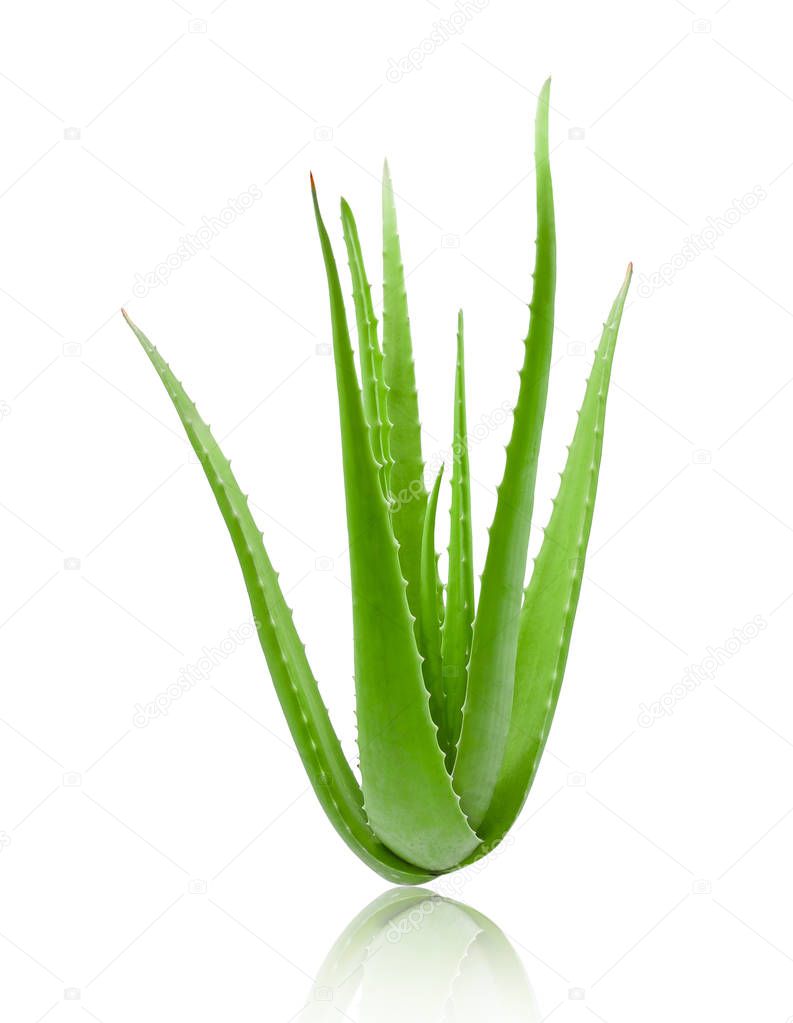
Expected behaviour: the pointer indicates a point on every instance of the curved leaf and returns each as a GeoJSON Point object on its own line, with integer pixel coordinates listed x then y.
{"type": "Point", "coordinates": [297, 690]}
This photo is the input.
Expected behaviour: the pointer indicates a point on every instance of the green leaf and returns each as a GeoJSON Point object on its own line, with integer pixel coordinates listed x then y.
{"type": "Point", "coordinates": [370, 356]}
{"type": "Point", "coordinates": [459, 617]}
{"type": "Point", "coordinates": [429, 626]}
{"type": "Point", "coordinates": [453, 706]}
{"type": "Point", "coordinates": [406, 475]}
{"type": "Point", "coordinates": [408, 795]}
{"type": "Point", "coordinates": [297, 690]}
{"type": "Point", "coordinates": [546, 619]}
{"type": "Point", "coordinates": [491, 672]}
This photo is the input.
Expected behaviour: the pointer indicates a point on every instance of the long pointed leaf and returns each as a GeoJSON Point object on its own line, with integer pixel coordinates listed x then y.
{"type": "Point", "coordinates": [429, 626]}
{"type": "Point", "coordinates": [297, 690]}
{"type": "Point", "coordinates": [546, 619]}
{"type": "Point", "coordinates": [491, 674]}
{"type": "Point", "coordinates": [459, 618]}
{"type": "Point", "coordinates": [369, 353]}
{"type": "Point", "coordinates": [408, 795]}
{"type": "Point", "coordinates": [406, 474]}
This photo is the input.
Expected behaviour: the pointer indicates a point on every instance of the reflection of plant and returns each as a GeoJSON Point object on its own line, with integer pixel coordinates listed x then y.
{"type": "Point", "coordinates": [453, 707]}
{"type": "Point", "coordinates": [460, 965]}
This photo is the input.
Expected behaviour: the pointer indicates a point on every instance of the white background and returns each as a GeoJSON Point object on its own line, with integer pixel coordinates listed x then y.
{"type": "Point", "coordinates": [649, 876]}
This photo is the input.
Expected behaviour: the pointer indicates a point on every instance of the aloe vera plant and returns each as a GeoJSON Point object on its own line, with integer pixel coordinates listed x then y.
{"type": "Point", "coordinates": [453, 703]}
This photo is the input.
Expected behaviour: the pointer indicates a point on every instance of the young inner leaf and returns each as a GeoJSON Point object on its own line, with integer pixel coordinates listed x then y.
{"type": "Point", "coordinates": [458, 622]}
{"type": "Point", "coordinates": [429, 626]}
{"type": "Point", "coordinates": [408, 794]}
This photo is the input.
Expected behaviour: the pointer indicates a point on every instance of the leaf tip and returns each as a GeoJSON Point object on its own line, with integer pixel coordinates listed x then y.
{"type": "Point", "coordinates": [545, 93]}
